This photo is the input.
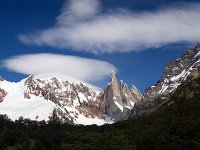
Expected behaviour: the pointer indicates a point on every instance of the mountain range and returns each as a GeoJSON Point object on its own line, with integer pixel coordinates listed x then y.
{"type": "Point", "coordinates": [65, 99]}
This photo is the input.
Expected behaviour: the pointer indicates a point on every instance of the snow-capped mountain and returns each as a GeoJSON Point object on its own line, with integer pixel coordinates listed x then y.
{"type": "Point", "coordinates": [46, 97]}
{"type": "Point", "coordinates": [175, 73]}
{"type": "Point", "coordinates": [186, 67]}
{"type": "Point", "coordinates": [63, 98]}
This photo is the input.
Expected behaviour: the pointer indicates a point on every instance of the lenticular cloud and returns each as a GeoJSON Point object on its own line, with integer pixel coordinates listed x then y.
{"type": "Point", "coordinates": [85, 69]}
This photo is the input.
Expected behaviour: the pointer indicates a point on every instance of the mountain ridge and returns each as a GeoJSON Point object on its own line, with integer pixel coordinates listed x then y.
{"type": "Point", "coordinates": [69, 100]}
{"type": "Point", "coordinates": [72, 101]}
{"type": "Point", "coordinates": [184, 68]}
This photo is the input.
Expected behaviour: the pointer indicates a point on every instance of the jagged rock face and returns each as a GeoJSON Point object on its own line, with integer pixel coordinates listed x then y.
{"type": "Point", "coordinates": [66, 96]}
{"type": "Point", "coordinates": [175, 73]}
{"type": "Point", "coordinates": [2, 94]}
{"type": "Point", "coordinates": [185, 68]}
{"type": "Point", "coordinates": [146, 107]}
{"type": "Point", "coordinates": [113, 90]}
{"type": "Point", "coordinates": [125, 94]}
{"type": "Point", "coordinates": [137, 95]}
{"type": "Point", "coordinates": [118, 101]}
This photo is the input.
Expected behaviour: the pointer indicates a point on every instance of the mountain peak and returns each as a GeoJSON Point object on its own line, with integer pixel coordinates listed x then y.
{"type": "Point", "coordinates": [113, 74]}
{"type": "Point", "coordinates": [118, 100]}
{"type": "Point", "coordinates": [175, 73]}
{"type": "Point", "coordinates": [63, 77]}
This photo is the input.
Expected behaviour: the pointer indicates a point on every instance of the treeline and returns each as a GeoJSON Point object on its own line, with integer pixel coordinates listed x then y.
{"type": "Point", "coordinates": [175, 126]}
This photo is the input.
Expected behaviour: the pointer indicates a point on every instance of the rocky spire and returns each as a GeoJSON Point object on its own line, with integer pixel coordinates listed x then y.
{"type": "Point", "coordinates": [137, 95]}
{"type": "Point", "coordinates": [118, 99]}
{"type": "Point", "coordinates": [114, 88]}
{"type": "Point", "coordinates": [113, 74]}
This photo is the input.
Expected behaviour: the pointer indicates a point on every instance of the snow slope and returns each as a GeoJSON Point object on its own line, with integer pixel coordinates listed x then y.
{"type": "Point", "coordinates": [175, 73]}
{"type": "Point", "coordinates": [15, 105]}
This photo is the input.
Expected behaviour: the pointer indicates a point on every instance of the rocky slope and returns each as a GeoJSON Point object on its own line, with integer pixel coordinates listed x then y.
{"type": "Point", "coordinates": [175, 73]}
{"type": "Point", "coordinates": [187, 66]}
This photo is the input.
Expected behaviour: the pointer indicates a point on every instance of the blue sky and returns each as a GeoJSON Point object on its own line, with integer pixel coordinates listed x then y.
{"type": "Point", "coordinates": [139, 53]}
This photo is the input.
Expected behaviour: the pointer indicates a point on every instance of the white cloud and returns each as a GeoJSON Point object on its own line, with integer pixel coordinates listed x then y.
{"type": "Point", "coordinates": [90, 70]}
{"type": "Point", "coordinates": [76, 10]}
{"type": "Point", "coordinates": [82, 27]}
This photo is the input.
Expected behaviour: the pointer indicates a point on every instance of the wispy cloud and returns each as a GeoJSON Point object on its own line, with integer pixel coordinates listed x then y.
{"type": "Point", "coordinates": [81, 26]}
{"type": "Point", "coordinates": [90, 70]}
{"type": "Point", "coordinates": [77, 10]}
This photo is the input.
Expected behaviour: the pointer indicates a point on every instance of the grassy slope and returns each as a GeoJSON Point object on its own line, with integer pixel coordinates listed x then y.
{"type": "Point", "coordinates": [176, 125]}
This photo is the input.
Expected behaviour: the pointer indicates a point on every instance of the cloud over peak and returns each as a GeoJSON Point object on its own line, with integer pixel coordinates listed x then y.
{"type": "Point", "coordinates": [82, 27]}
{"type": "Point", "coordinates": [89, 70]}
